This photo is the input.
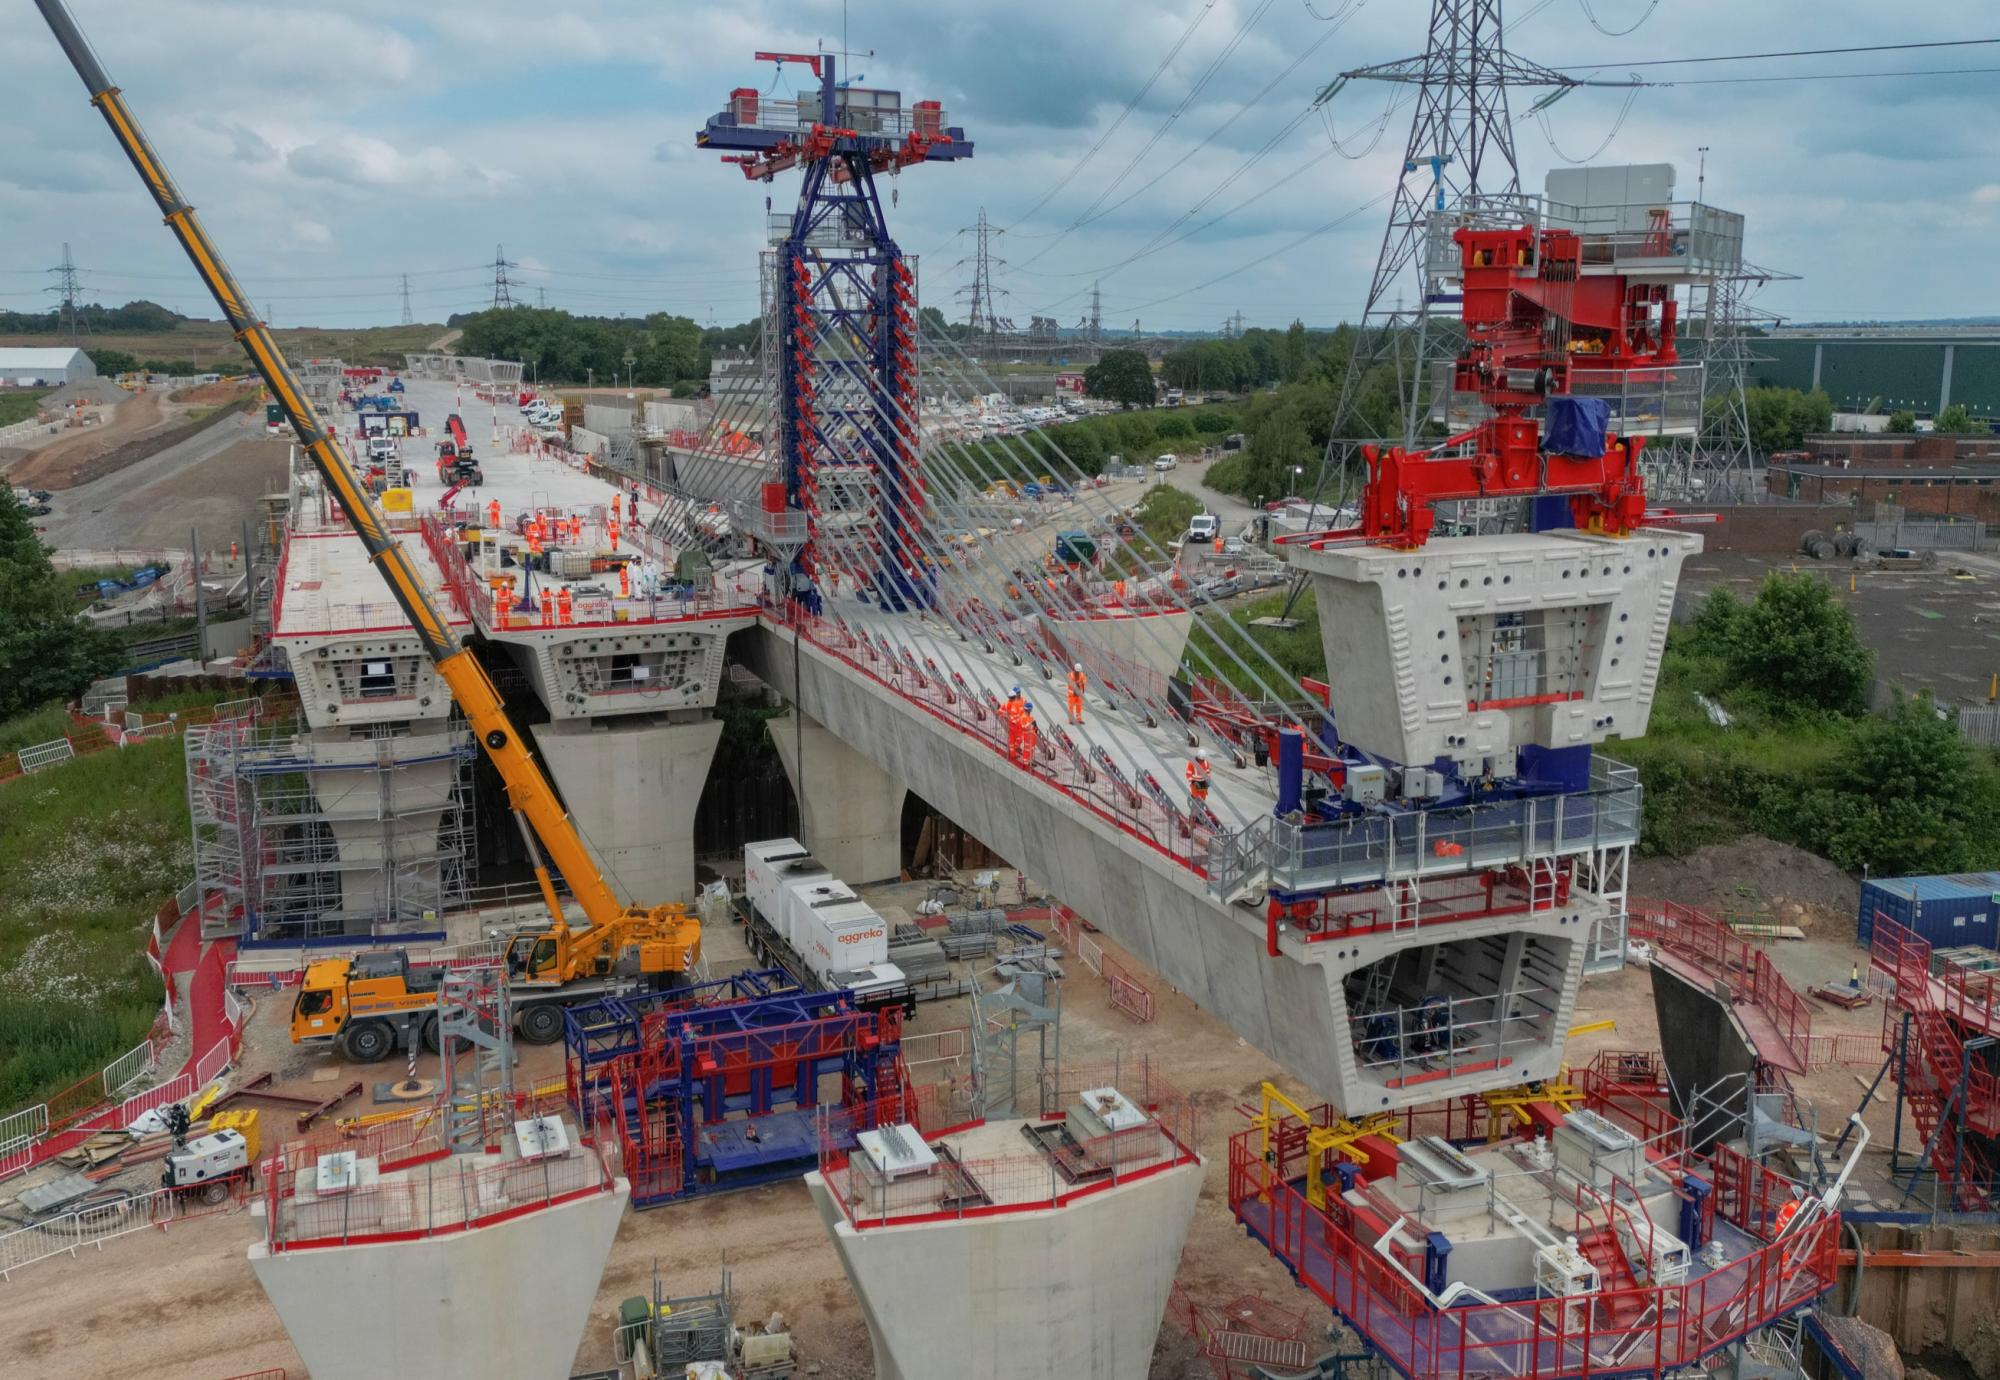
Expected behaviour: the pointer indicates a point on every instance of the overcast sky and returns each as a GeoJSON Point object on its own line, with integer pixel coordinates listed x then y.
{"type": "Point", "coordinates": [331, 148]}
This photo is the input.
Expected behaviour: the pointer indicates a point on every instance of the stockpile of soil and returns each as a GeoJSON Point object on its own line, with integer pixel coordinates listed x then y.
{"type": "Point", "coordinates": [212, 394]}
{"type": "Point", "coordinates": [1759, 880]}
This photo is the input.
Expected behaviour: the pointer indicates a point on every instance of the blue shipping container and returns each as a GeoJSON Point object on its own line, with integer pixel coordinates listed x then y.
{"type": "Point", "coordinates": [1946, 912]}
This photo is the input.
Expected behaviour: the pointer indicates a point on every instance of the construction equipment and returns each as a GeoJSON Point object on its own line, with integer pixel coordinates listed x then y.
{"type": "Point", "coordinates": [455, 463]}
{"type": "Point", "coordinates": [668, 937]}
{"type": "Point", "coordinates": [377, 1003]}
{"type": "Point", "coordinates": [208, 1167]}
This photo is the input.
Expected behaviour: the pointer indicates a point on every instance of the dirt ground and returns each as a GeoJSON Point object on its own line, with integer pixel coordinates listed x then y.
{"type": "Point", "coordinates": [55, 464]}
{"type": "Point", "coordinates": [206, 1316]}
{"type": "Point", "coordinates": [1935, 630]}
{"type": "Point", "coordinates": [215, 495]}
{"type": "Point", "coordinates": [1756, 880]}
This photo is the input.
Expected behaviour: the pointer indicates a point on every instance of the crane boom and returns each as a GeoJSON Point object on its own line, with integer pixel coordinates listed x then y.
{"type": "Point", "coordinates": [528, 790]}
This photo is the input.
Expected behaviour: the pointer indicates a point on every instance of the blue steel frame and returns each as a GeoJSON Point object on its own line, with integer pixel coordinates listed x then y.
{"type": "Point", "coordinates": [853, 292]}
{"type": "Point", "coordinates": [752, 1016]}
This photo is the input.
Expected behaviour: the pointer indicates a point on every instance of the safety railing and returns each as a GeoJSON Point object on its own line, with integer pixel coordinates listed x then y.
{"type": "Point", "coordinates": [1395, 845]}
{"type": "Point", "coordinates": [1133, 805]}
{"type": "Point", "coordinates": [1717, 951]}
{"type": "Point", "coordinates": [1643, 1330]}
{"type": "Point", "coordinates": [93, 1225]}
{"type": "Point", "coordinates": [1942, 1011]}
{"type": "Point", "coordinates": [1446, 1036]}
{"type": "Point", "coordinates": [435, 1199]}
{"type": "Point", "coordinates": [1848, 1051]}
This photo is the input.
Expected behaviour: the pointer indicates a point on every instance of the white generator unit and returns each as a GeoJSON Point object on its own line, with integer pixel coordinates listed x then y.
{"type": "Point", "coordinates": [772, 866]}
{"type": "Point", "coordinates": [207, 1164]}
{"type": "Point", "coordinates": [834, 930]}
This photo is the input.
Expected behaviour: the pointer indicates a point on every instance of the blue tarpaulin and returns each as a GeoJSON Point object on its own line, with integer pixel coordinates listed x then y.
{"type": "Point", "coordinates": [1576, 426]}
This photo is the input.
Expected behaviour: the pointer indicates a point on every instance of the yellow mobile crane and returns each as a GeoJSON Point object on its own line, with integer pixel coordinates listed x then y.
{"type": "Point", "coordinates": [368, 1011]}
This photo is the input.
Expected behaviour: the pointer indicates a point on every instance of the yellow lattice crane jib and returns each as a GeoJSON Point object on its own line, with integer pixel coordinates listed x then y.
{"type": "Point", "coordinates": [1321, 1141]}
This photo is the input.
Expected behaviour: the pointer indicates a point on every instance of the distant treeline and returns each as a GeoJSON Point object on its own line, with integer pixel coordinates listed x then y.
{"type": "Point", "coordinates": [657, 351]}
{"type": "Point", "coordinates": [132, 318]}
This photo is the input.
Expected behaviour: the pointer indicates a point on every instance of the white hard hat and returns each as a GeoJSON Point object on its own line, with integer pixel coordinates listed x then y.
{"type": "Point", "coordinates": [1079, 665]}
{"type": "Point", "coordinates": [1201, 754]}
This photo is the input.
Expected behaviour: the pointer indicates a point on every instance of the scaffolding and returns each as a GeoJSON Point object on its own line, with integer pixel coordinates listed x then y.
{"type": "Point", "coordinates": [296, 839]}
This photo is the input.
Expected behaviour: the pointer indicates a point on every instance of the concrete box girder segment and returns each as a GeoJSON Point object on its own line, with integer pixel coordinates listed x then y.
{"type": "Point", "coordinates": [1473, 647]}
{"type": "Point", "coordinates": [1292, 1006]}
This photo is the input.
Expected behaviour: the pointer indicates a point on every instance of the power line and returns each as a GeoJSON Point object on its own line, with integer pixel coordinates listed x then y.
{"type": "Point", "coordinates": [1785, 53]}
{"type": "Point", "coordinates": [1839, 76]}
{"type": "Point", "coordinates": [1130, 106]}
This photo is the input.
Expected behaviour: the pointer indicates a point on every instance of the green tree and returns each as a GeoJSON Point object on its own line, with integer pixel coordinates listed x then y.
{"type": "Point", "coordinates": [1293, 354]}
{"type": "Point", "coordinates": [1121, 376]}
{"type": "Point", "coordinates": [111, 362]}
{"type": "Point", "coordinates": [1781, 418]}
{"type": "Point", "coordinates": [1956, 420]}
{"type": "Point", "coordinates": [1902, 421]}
{"type": "Point", "coordinates": [1796, 644]}
{"type": "Point", "coordinates": [1906, 797]}
{"type": "Point", "coordinates": [46, 651]}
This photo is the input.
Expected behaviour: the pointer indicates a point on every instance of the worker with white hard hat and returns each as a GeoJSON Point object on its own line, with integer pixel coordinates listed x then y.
{"type": "Point", "coordinates": [1077, 684]}
{"type": "Point", "coordinates": [1197, 780]}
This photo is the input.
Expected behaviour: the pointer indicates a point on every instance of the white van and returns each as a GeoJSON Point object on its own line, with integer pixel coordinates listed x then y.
{"type": "Point", "coordinates": [1204, 527]}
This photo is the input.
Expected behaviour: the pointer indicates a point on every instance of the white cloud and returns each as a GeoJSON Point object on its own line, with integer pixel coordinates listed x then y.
{"type": "Point", "coordinates": [371, 137]}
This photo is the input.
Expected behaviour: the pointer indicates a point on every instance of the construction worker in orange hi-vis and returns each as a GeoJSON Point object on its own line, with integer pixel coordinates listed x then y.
{"type": "Point", "coordinates": [493, 513]}
{"type": "Point", "coordinates": [548, 609]}
{"type": "Point", "coordinates": [612, 528]}
{"type": "Point", "coordinates": [632, 508]}
{"type": "Point", "coordinates": [1076, 687]}
{"type": "Point", "coordinates": [1030, 735]}
{"type": "Point", "coordinates": [1218, 543]}
{"type": "Point", "coordinates": [563, 606]}
{"type": "Point", "coordinates": [534, 542]}
{"type": "Point", "coordinates": [624, 582]}
{"type": "Point", "coordinates": [1197, 778]}
{"type": "Point", "coordinates": [1010, 714]}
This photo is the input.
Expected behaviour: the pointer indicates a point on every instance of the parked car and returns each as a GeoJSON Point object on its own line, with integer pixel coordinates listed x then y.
{"type": "Point", "coordinates": [1166, 462]}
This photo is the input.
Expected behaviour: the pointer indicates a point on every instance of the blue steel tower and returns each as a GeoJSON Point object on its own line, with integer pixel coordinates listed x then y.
{"type": "Point", "coordinates": [846, 312]}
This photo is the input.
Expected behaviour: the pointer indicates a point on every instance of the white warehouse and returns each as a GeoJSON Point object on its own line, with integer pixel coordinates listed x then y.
{"type": "Point", "coordinates": [44, 366]}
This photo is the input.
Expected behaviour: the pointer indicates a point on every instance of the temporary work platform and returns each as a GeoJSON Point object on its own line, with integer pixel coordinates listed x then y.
{"type": "Point", "coordinates": [299, 839]}
{"type": "Point", "coordinates": [706, 1089]}
{"type": "Point", "coordinates": [1603, 1247]}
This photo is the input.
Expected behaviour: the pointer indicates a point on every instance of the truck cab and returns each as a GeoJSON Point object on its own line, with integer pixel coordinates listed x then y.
{"type": "Point", "coordinates": [362, 1003]}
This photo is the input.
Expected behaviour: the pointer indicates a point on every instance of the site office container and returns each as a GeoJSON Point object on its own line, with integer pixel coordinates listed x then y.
{"type": "Point", "coordinates": [1946, 912]}
{"type": "Point", "coordinates": [833, 930]}
{"type": "Point", "coordinates": [770, 867]}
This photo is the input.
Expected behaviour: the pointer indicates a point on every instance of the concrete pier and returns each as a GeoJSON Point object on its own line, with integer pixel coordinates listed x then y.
{"type": "Point", "coordinates": [1001, 1262]}
{"type": "Point", "coordinates": [407, 1275]}
{"type": "Point", "coordinates": [850, 810]}
{"type": "Point", "coordinates": [631, 784]}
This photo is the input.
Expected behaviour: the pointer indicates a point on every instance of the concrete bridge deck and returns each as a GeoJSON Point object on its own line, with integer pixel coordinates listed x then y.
{"type": "Point", "coordinates": [1123, 864]}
